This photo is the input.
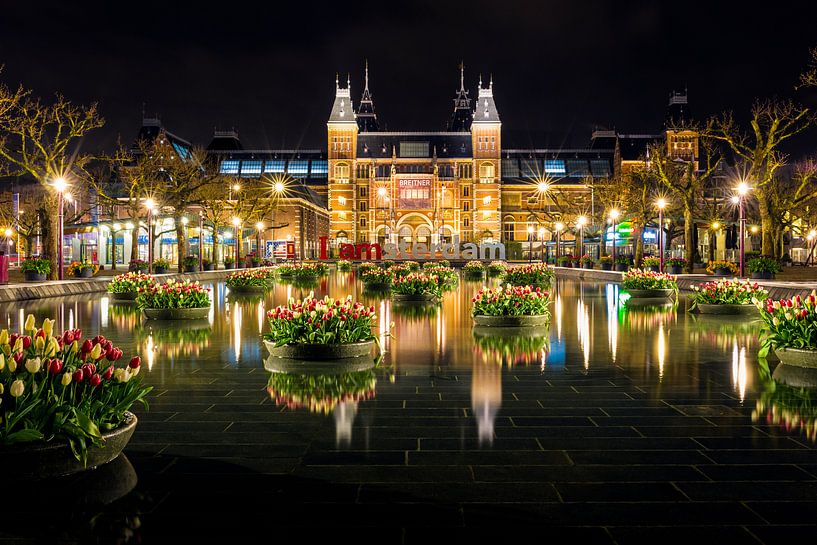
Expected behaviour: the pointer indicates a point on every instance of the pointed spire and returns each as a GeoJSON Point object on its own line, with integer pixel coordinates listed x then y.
{"type": "Point", "coordinates": [461, 118]}
{"type": "Point", "coordinates": [366, 118]}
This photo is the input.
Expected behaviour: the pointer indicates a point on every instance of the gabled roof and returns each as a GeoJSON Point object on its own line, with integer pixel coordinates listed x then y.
{"type": "Point", "coordinates": [152, 129]}
{"type": "Point", "coordinates": [225, 141]}
{"type": "Point", "coordinates": [485, 108]}
{"type": "Point", "coordinates": [342, 109]}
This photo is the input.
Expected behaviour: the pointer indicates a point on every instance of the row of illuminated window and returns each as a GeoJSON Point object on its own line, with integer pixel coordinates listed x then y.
{"type": "Point", "coordinates": [297, 168]}
{"type": "Point", "coordinates": [560, 168]}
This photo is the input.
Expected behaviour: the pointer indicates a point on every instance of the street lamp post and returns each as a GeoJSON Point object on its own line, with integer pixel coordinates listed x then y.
{"type": "Point", "coordinates": [150, 204]}
{"type": "Point", "coordinates": [201, 240]}
{"type": "Point", "coordinates": [530, 243]}
{"type": "Point", "coordinates": [740, 199]}
{"type": "Point", "coordinates": [581, 223]}
{"type": "Point", "coordinates": [661, 204]}
{"type": "Point", "coordinates": [60, 185]}
{"type": "Point", "coordinates": [614, 214]}
{"type": "Point", "coordinates": [558, 228]}
{"type": "Point", "coordinates": [542, 242]}
{"type": "Point", "coordinates": [258, 228]}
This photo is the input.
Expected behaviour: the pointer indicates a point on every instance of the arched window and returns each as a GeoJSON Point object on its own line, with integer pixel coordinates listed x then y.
{"type": "Point", "coordinates": [423, 234]}
{"type": "Point", "coordinates": [487, 173]}
{"type": "Point", "coordinates": [405, 233]}
{"type": "Point", "coordinates": [508, 228]}
{"type": "Point", "coordinates": [342, 173]}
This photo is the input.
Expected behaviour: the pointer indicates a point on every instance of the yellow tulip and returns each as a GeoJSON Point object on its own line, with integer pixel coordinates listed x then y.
{"type": "Point", "coordinates": [96, 351]}
{"type": "Point", "coordinates": [66, 379]}
{"type": "Point", "coordinates": [30, 323]}
{"type": "Point", "coordinates": [48, 326]}
{"type": "Point", "coordinates": [4, 336]}
{"type": "Point", "coordinates": [33, 365]}
{"type": "Point", "coordinates": [12, 365]}
{"type": "Point", "coordinates": [18, 345]}
{"type": "Point", "coordinates": [39, 344]}
{"type": "Point", "coordinates": [17, 388]}
{"type": "Point", "coordinates": [2, 361]}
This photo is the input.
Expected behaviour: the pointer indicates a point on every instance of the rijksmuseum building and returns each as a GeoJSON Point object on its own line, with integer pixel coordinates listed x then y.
{"type": "Point", "coordinates": [431, 187]}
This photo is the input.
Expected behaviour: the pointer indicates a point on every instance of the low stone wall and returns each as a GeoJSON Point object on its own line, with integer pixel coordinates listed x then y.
{"type": "Point", "coordinates": [57, 288]}
{"type": "Point", "coordinates": [776, 289]}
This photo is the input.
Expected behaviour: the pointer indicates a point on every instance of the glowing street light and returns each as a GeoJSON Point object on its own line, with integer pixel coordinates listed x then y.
{"type": "Point", "coordinates": [279, 187]}
{"type": "Point", "coordinates": [381, 192]}
{"type": "Point", "coordinates": [740, 199]}
{"type": "Point", "coordinates": [614, 214]}
{"type": "Point", "coordinates": [542, 187]}
{"type": "Point", "coordinates": [60, 185]}
{"type": "Point", "coordinates": [581, 222]}
{"type": "Point", "coordinates": [716, 225]}
{"type": "Point", "coordinates": [661, 204]}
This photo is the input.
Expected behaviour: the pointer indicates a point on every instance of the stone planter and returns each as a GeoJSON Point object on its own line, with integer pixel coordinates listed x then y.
{"type": "Point", "coordinates": [42, 460]}
{"type": "Point", "coordinates": [587, 265]}
{"type": "Point", "coordinates": [275, 364]}
{"type": "Point", "coordinates": [675, 270]}
{"type": "Point", "coordinates": [159, 270]}
{"type": "Point", "coordinates": [191, 268]}
{"type": "Point", "coordinates": [744, 310]}
{"type": "Point", "coordinates": [510, 321]}
{"type": "Point", "coordinates": [763, 275]}
{"type": "Point", "coordinates": [123, 296]}
{"type": "Point", "coordinates": [651, 294]}
{"type": "Point", "coordinates": [723, 272]}
{"type": "Point", "coordinates": [797, 357]}
{"type": "Point", "coordinates": [86, 273]}
{"type": "Point", "coordinates": [229, 265]}
{"type": "Point", "coordinates": [376, 286]}
{"type": "Point", "coordinates": [320, 352]}
{"type": "Point", "coordinates": [652, 268]}
{"type": "Point", "coordinates": [209, 267]}
{"type": "Point", "coordinates": [176, 313]}
{"type": "Point", "coordinates": [255, 290]}
{"type": "Point", "coordinates": [32, 276]}
{"type": "Point", "coordinates": [622, 267]}
{"type": "Point", "coordinates": [606, 266]}
{"type": "Point", "coordinates": [413, 298]}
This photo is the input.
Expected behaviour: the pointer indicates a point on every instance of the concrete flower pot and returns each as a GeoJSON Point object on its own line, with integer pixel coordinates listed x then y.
{"type": "Point", "coordinates": [32, 276]}
{"type": "Point", "coordinates": [176, 313]}
{"type": "Point", "coordinates": [723, 272]}
{"type": "Point", "coordinates": [675, 270]}
{"type": "Point", "coordinates": [622, 267]}
{"type": "Point", "coordinates": [510, 321]}
{"type": "Point", "coordinates": [413, 297]}
{"type": "Point", "coordinates": [209, 267]}
{"type": "Point", "coordinates": [796, 376]}
{"type": "Point", "coordinates": [606, 266]}
{"type": "Point", "coordinates": [42, 460]}
{"type": "Point", "coordinates": [743, 310]}
{"type": "Point", "coordinates": [159, 270]}
{"type": "Point", "coordinates": [275, 364]}
{"type": "Point", "coordinates": [86, 273]}
{"type": "Point", "coordinates": [652, 268]}
{"type": "Point", "coordinates": [797, 357]}
{"type": "Point", "coordinates": [320, 352]}
{"type": "Point", "coordinates": [652, 294]}
{"type": "Point", "coordinates": [123, 296]}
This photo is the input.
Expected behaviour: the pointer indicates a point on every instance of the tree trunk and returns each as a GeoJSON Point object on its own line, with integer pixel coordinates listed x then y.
{"type": "Point", "coordinates": [181, 242]}
{"type": "Point", "coordinates": [638, 247]}
{"type": "Point", "coordinates": [49, 224]}
{"type": "Point", "coordinates": [217, 259]}
{"type": "Point", "coordinates": [689, 238]}
{"type": "Point", "coordinates": [768, 246]}
{"type": "Point", "coordinates": [712, 241]}
{"type": "Point", "coordinates": [134, 241]}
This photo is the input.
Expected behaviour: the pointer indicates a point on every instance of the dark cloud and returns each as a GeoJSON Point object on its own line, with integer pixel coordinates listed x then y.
{"type": "Point", "coordinates": [559, 68]}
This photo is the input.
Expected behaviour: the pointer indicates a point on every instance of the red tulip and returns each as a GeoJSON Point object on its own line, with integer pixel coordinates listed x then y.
{"type": "Point", "coordinates": [18, 357]}
{"type": "Point", "coordinates": [26, 342]}
{"type": "Point", "coordinates": [87, 346]}
{"type": "Point", "coordinates": [56, 367]}
{"type": "Point", "coordinates": [134, 362]}
{"type": "Point", "coordinates": [78, 375]}
{"type": "Point", "coordinates": [68, 337]}
{"type": "Point", "coordinates": [108, 373]}
{"type": "Point", "coordinates": [96, 380]}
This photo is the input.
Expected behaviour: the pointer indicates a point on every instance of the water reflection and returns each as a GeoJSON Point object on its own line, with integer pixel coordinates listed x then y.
{"type": "Point", "coordinates": [788, 399]}
{"type": "Point", "coordinates": [594, 328]}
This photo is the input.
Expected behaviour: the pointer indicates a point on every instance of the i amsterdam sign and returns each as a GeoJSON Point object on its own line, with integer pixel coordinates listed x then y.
{"type": "Point", "coordinates": [402, 250]}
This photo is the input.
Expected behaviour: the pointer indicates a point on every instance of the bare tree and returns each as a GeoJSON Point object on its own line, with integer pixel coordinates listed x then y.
{"type": "Point", "coordinates": [43, 141]}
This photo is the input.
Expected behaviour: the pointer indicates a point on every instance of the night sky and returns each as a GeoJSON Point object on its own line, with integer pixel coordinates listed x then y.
{"type": "Point", "coordinates": [559, 68]}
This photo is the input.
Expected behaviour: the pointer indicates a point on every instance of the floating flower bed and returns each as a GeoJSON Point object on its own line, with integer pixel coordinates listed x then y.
{"type": "Point", "coordinates": [376, 278]}
{"type": "Point", "coordinates": [412, 266]}
{"type": "Point", "coordinates": [640, 283]}
{"type": "Point", "coordinates": [125, 287]}
{"type": "Point", "coordinates": [727, 297]}
{"type": "Point", "coordinates": [790, 329]}
{"type": "Point", "coordinates": [303, 270]}
{"type": "Point", "coordinates": [536, 274]}
{"type": "Point", "coordinates": [368, 266]}
{"type": "Point", "coordinates": [400, 269]}
{"type": "Point", "coordinates": [320, 329]}
{"type": "Point", "coordinates": [474, 269]}
{"type": "Point", "coordinates": [511, 306]}
{"type": "Point", "coordinates": [65, 403]}
{"type": "Point", "coordinates": [249, 280]}
{"type": "Point", "coordinates": [174, 301]}
{"type": "Point", "coordinates": [416, 287]}
{"type": "Point", "coordinates": [321, 393]}
{"type": "Point", "coordinates": [447, 276]}
{"type": "Point", "coordinates": [344, 265]}
{"type": "Point", "coordinates": [496, 268]}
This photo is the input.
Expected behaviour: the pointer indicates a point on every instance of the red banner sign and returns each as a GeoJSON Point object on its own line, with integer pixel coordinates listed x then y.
{"type": "Point", "coordinates": [414, 192]}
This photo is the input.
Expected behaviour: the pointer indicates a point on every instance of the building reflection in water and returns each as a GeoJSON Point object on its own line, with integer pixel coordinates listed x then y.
{"type": "Point", "coordinates": [583, 330]}
{"type": "Point", "coordinates": [662, 350]}
{"type": "Point", "coordinates": [611, 292]}
{"type": "Point", "coordinates": [486, 398]}
{"type": "Point", "coordinates": [739, 374]}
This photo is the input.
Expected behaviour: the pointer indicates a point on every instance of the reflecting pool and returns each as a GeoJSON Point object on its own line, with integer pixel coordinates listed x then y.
{"type": "Point", "coordinates": [618, 401]}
